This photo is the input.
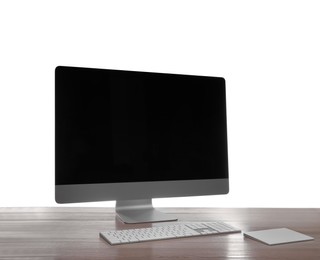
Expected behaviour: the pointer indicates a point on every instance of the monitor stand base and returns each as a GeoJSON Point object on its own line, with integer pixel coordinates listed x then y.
{"type": "Point", "coordinates": [140, 211]}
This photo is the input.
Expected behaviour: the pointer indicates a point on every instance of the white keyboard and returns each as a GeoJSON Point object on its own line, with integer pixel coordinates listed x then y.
{"type": "Point", "coordinates": [177, 230]}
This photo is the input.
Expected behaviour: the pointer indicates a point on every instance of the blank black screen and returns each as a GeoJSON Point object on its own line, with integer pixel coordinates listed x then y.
{"type": "Point", "coordinates": [123, 126]}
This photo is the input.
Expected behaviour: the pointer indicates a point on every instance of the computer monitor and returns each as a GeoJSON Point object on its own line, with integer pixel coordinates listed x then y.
{"type": "Point", "coordinates": [132, 136]}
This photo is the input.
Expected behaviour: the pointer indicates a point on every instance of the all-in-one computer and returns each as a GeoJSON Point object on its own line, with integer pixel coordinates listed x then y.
{"type": "Point", "coordinates": [132, 136]}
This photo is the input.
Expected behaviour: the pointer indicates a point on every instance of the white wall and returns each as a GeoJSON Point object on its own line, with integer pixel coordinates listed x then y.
{"type": "Point", "coordinates": [268, 51]}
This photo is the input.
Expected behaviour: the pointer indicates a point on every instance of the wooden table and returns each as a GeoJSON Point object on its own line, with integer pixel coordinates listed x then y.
{"type": "Point", "coordinates": [73, 233]}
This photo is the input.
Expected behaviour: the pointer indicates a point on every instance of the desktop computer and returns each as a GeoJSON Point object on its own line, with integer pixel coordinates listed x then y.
{"type": "Point", "coordinates": [132, 136]}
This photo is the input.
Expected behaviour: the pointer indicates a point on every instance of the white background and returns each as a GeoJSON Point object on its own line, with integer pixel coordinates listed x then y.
{"type": "Point", "coordinates": [268, 51]}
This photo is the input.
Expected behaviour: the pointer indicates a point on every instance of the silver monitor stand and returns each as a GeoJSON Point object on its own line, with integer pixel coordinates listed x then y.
{"type": "Point", "coordinates": [140, 211]}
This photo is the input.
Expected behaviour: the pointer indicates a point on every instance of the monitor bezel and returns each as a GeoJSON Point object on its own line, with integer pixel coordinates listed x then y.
{"type": "Point", "coordinates": [69, 193]}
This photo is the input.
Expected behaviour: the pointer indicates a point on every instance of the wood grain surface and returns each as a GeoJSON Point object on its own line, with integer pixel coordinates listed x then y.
{"type": "Point", "coordinates": [73, 233]}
